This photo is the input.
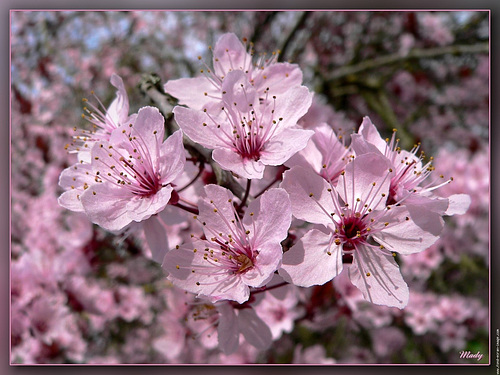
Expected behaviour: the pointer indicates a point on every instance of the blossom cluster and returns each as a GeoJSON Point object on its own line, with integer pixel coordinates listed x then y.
{"type": "Point", "coordinates": [249, 212]}
{"type": "Point", "coordinates": [365, 203]}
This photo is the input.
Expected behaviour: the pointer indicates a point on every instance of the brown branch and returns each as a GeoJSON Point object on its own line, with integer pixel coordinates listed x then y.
{"type": "Point", "coordinates": [300, 23]}
{"type": "Point", "coordinates": [397, 58]}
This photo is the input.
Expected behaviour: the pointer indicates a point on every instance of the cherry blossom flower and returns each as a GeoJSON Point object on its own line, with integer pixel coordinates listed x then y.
{"type": "Point", "coordinates": [358, 228]}
{"type": "Point", "coordinates": [129, 178]}
{"type": "Point", "coordinates": [266, 75]}
{"type": "Point", "coordinates": [237, 253]}
{"type": "Point", "coordinates": [279, 311]}
{"type": "Point", "coordinates": [409, 185]}
{"type": "Point", "coordinates": [246, 131]}
{"type": "Point", "coordinates": [104, 120]}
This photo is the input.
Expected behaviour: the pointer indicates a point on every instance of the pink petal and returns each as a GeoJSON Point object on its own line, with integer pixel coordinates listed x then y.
{"type": "Point", "coordinates": [431, 203]}
{"type": "Point", "coordinates": [192, 124]}
{"type": "Point", "coordinates": [300, 183]}
{"type": "Point", "coordinates": [291, 106]}
{"type": "Point", "coordinates": [279, 77]}
{"type": "Point", "coordinates": [308, 157]}
{"type": "Point", "coordinates": [273, 216]}
{"type": "Point", "coordinates": [156, 237]}
{"type": "Point", "coordinates": [118, 109]}
{"type": "Point", "coordinates": [366, 178]}
{"type": "Point", "coordinates": [107, 207]}
{"type": "Point", "coordinates": [239, 93]}
{"type": "Point", "coordinates": [371, 134]}
{"type": "Point", "coordinates": [141, 208]}
{"type": "Point", "coordinates": [458, 204]}
{"type": "Point", "coordinates": [172, 158]}
{"type": "Point", "coordinates": [232, 161]}
{"type": "Point", "coordinates": [281, 147]}
{"type": "Point", "coordinates": [228, 330]}
{"type": "Point", "coordinates": [361, 146]}
{"type": "Point", "coordinates": [267, 261]}
{"type": "Point", "coordinates": [410, 236]}
{"type": "Point", "coordinates": [230, 54]}
{"type": "Point", "coordinates": [219, 221]}
{"type": "Point", "coordinates": [191, 91]}
{"type": "Point", "coordinates": [149, 126]}
{"type": "Point", "coordinates": [253, 328]}
{"type": "Point", "coordinates": [72, 179]}
{"type": "Point", "coordinates": [384, 285]}
{"type": "Point", "coordinates": [307, 263]}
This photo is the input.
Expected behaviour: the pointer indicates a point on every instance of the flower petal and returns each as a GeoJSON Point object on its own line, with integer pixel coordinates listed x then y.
{"type": "Point", "coordinates": [412, 229]}
{"type": "Point", "coordinates": [307, 263]}
{"type": "Point", "coordinates": [291, 106]}
{"type": "Point", "coordinates": [119, 107]}
{"type": "Point", "coordinates": [300, 183]}
{"type": "Point", "coordinates": [371, 134]}
{"type": "Point", "coordinates": [149, 127]}
{"type": "Point", "coordinates": [228, 330]}
{"type": "Point", "coordinates": [377, 275]}
{"type": "Point", "coordinates": [253, 328]}
{"type": "Point", "coordinates": [265, 264]}
{"type": "Point", "coordinates": [141, 208]}
{"type": "Point", "coordinates": [73, 179]}
{"type": "Point", "coordinates": [238, 92]}
{"type": "Point", "coordinates": [272, 216]}
{"type": "Point", "coordinates": [107, 207]}
{"type": "Point", "coordinates": [367, 178]}
{"type": "Point", "coordinates": [199, 128]}
{"type": "Point", "coordinates": [458, 204]}
{"type": "Point", "coordinates": [217, 210]}
{"type": "Point", "coordinates": [230, 54]}
{"type": "Point", "coordinates": [281, 147]}
{"type": "Point", "coordinates": [279, 77]}
{"type": "Point", "coordinates": [156, 237]}
{"type": "Point", "coordinates": [232, 161]}
{"type": "Point", "coordinates": [191, 91]}
{"type": "Point", "coordinates": [172, 158]}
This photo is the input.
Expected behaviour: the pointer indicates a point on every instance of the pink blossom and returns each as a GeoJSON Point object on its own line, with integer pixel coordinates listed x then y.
{"type": "Point", "coordinates": [279, 309]}
{"type": "Point", "coordinates": [104, 120]}
{"type": "Point", "coordinates": [354, 213]}
{"type": "Point", "coordinates": [249, 129]}
{"type": "Point", "coordinates": [129, 178]}
{"type": "Point", "coordinates": [266, 75]}
{"type": "Point", "coordinates": [237, 253]}
{"type": "Point", "coordinates": [409, 184]}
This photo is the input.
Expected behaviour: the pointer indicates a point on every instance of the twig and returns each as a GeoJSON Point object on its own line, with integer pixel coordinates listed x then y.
{"type": "Point", "coordinates": [247, 192]}
{"type": "Point", "coordinates": [291, 35]}
{"type": "Point", "coordinates": [193, 210]}
{"type": "Point", "coordinates": [200, 171]}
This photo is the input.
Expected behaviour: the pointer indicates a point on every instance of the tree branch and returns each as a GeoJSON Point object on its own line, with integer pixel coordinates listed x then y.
{"type": "Point", "coordinates": [396, 58]}
{"type": "Point", "coordinates": [290, 36]}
